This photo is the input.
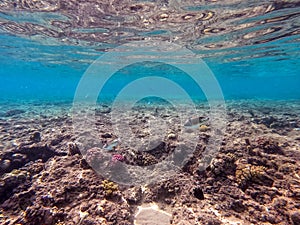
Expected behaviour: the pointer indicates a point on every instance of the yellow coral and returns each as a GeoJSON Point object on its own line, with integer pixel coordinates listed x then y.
{"type": "Point", "coordinates": [203, 128]}
{"type": "Point", "coordinates": [109, 187]}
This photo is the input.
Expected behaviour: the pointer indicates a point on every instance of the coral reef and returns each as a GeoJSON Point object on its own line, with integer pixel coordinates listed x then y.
{"type": "Point", "coordinates": [253, 178]}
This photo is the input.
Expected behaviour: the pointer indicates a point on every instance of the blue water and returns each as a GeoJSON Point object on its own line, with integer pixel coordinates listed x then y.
{"type": "Point", "coordinates": [260, 79]}
{"type": "Point", "coordinates": [51, 71]}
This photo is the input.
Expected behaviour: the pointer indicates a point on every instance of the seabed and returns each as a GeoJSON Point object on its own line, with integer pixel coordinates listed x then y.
{"type": "Point", "coordinates": [254, 177]}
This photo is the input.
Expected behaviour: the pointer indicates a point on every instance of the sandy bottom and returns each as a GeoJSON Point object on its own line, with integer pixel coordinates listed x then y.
{"type": "Point", "coordinates": [52, 174]}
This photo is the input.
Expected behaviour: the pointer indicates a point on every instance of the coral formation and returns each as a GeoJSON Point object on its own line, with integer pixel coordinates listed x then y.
{"type": "Point", "coordinates": [246, 173]}
{"type": "Point", "coordinates": [11, 180]}
{"type": "Point", "coordinates": [223, 165]}
{"type": "Point", "coordinates": [109, 187]}
{"type": "Point", "coordinates": [147, 159]}
{"type": "Point", "coordinates": [36, 137]}
{"type": "Point", "coordinates": [269, 145]}
{"type": "Point", "coordinates": [73, 148]}
{"type": "Point", "coordinates": [118, 158]}
{"type": "Point", "coordinates": [203, 128]}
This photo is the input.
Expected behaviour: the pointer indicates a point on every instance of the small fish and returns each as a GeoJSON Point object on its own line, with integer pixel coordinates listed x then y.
{"type": "Point", "coordinates": [112, 145]}
{"type": "Point", "coordinates": [194, 121]}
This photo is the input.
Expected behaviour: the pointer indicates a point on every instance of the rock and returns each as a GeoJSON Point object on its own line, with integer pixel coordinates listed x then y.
{"type": "Point", "coordinates": [57, 140]}
{"type": "Point", "coordinates": [4, 164]}
{"type": "Point", "coordinates": [238, 206]}
{"type": "Point", "coordinates": [208, 219]}
{"type": "Point", "coordinates": [38, 152]}
{"type": "Point", "coordinates": [276, 125]}
{"type": "Point", "coordinates": [73, 149]}
{"type": "Point", "coordinates": [171, 136]}
{"type": "Point", "coordinates": [198, 193]}
{"type": "Point", "coordinates": [151, 214]}
{"type": "Point", "coordinates": [133, 195]}
{"type": "Point", "coordinates": [43, 215]}
{"type": "Point", "coordinates": [279, 203]}
{"type": "Point", "coordinates": [106, 135]}
{"type": "Point", "coordinates": [36, 137]}
{"type": "Point", "coordinates": [10, 181]}
{"type": "Point", "coordinates": [295, 217]}
{"type": "Point", "coordinates": [14, 112]}
{"type": "Point", "coordinates": [19, 157]}
{"type": "Point", "coordinates": [268, 121]}
{"type": "Point", "coordinates": [103, 109]}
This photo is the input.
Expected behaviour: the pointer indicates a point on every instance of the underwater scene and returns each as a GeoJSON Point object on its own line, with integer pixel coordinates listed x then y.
{"type": "Point", "coordinates": [146, 112]}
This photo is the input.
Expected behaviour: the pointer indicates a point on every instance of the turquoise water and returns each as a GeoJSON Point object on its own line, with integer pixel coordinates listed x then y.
{"type": "Point", "coordinates": [36, 65]}
{"type": "Point", "coordinates": [262, 78]}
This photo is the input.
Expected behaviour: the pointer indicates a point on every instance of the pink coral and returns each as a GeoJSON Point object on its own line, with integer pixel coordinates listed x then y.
{"type": "Point", "coordinates": [117, 157]}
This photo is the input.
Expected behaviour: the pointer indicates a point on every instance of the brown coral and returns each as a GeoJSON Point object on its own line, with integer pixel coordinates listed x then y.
{"type": "Point", "coordinates": [269, 146]}
{"type": "Point", "coordinates": [247, 172]}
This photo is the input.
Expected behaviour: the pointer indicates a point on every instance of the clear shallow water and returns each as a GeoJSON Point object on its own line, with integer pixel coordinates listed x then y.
{"type": "Point", "coordinates": [252, 48]}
